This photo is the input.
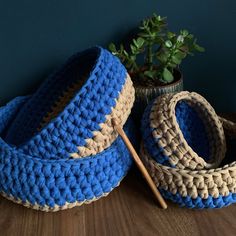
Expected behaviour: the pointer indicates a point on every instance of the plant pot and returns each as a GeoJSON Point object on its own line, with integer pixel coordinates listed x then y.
{"type": "Point", "coordinates": [145, 94]}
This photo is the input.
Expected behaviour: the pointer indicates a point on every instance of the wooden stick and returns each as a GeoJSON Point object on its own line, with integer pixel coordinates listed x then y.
{"type": "Point", "coordinates": [139, 163]}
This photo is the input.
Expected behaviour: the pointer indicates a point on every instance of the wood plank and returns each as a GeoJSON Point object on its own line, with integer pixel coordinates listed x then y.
{"type": "Point", "coordinates": [129, 210]}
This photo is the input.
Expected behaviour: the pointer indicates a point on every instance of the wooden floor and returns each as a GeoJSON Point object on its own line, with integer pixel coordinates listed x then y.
{"type": "Point", "coordinates": [129, 210]}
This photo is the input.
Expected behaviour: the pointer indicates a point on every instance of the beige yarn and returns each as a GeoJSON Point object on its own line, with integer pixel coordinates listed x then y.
{"type": "Point", "coordinates": [229, 127]}
{"type": "Point", "coordinates": [56, 208]}
{"type": "Point", "coordinates": [101, 140]}
{"type": "Point", "coordinates": [194, 183]}
{"type": "Point", "coordinates": [171, 139]}
{"type": "Point", "coordinates": [106, 135]}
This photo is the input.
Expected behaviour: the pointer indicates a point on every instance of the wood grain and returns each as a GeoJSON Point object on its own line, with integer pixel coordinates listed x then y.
{"type": "Point", "coordinates": [130, 209]}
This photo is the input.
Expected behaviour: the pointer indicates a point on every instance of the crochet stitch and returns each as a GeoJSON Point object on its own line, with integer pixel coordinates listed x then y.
{"type": "Point", "coordinates": [214, 188]}
{"type": "Point", "coordinates": [70, 114]}
{"type": "Point", "coordinates": [55, 184]}
{"type": "Point", "coordinates": [182, 130]}
{"type": "Point", "coordinates": [58, 148]}
{"type": "Point", "coordinates": [190, 177]}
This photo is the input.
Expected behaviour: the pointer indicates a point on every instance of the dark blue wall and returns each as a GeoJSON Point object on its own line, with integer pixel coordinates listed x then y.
{"type": "Point", "coordinates": [36, 36]}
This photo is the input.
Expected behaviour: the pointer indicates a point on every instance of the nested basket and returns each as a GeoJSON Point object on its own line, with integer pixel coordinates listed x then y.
{"type": "Point", "coordinates": [57, 147]}
{"type": "Point", "coordinates": [189, 179]}
{"type": "Point", "coordinates": [182, 130]}
{"type": "Point", "coordinates": [70, 114]}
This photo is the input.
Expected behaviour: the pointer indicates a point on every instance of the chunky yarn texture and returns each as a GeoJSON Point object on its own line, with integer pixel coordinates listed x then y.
{"type": "Point", "coordinates": [70, 114]}
{"type": "Point", "coordinates": [183, 146]}
{"type": "Point", "coordinates": [182, 130]}
{"type": "Point", "coordinates": [58, 148]}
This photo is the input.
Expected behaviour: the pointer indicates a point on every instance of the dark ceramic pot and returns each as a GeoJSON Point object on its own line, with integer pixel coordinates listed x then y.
{"type": "Point", "coordinates": [144, 95]}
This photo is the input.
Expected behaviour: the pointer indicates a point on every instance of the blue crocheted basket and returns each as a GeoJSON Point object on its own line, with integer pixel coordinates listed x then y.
{"type": "Point", "coordinates": [58, 148]}
{"type": "Point", "coordinates": [183, 145]}
{"type": "Point", "coordinates": [51, 184]}
{"type": "Point", "coordinates": [70, 114]}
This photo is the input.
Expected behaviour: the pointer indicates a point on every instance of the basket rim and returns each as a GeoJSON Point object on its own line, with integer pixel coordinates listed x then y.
{"type": "Point", "coordinates": [14, 162]}
{"type": "Point", "coordinates": [101, 135]}
{"type": "Point", "coordinates": [169, 137]}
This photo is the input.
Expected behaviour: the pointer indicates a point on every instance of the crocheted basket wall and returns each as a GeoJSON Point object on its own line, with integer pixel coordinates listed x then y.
{"type": "Point", "coordinates": [182, 130]}
{"type": "Point", "coordinates": [58, 148]}
{"type": "Point", "coordinates": [184, 170]}
{"type": "Point", "coordinates": [70, 114]}
{"type": "Point", "coordinates": [51, 184]}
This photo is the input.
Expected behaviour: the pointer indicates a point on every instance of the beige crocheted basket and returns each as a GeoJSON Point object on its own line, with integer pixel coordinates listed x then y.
{"type": "Point", "coordinates": [189, 183]}
{"type": "Point", "coordinates": [166, 141]}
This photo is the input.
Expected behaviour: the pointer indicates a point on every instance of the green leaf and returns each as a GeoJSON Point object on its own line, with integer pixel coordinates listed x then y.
{"type": "Point", "coordinates": [180, 54]}
{"type": "Point", "coordinates": [133, 49]}
{"type": "Point", "coordinates": [199, 48]}
{"type": "Point", "coordinates": [135, 43]}
{"type": "Point", "coordinates": [170, 35]}
{"type": "Point", "coordinates": [125, 53]}
{"type": "Point", "coordinates": [177, 60]}
{"type": "Point", "coordinates": [133, 58]}
{"type": "Point", "coordinates": [190, 36]}
{"type": "Point", "coordinates": [150, 74]}
{"type": "Point", "coordinates": [167, 76]}
{"type": "Point", "coordinates": [163, 56]}
{"type": "Point", "coordinates": [172, 65]}
{"type": "Point", "coordinates": [184, 32]}
{"type": "Point", "coordinates": [145, 35]}
{"type": "Point", "coordinates": [140, 42]}
{"type": "Point", "coordinates": [112, 47]}
{"type": "Point", "coordinates": [180, 39]}
{"type": "Point", "coordinates": [168, 43]}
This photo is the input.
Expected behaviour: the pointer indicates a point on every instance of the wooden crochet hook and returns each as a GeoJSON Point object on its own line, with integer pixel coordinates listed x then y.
{"type": "Point", "coordinates": [139, 163]}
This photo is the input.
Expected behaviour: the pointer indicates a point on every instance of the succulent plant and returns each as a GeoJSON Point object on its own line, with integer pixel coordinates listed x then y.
{"type": "Point", "coordinates": [162, 51]}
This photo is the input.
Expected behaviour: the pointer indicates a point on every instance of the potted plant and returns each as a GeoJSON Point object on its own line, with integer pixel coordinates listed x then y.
{"type": "Point", "coordinates": [153, 58]}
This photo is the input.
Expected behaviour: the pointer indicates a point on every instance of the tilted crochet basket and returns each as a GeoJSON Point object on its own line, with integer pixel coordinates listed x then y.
{"type": "Point", "coordinates": [57, 147]}
{"type": "Point", "coordinates": [70, 114]}
{"type": "Point", "coordinates": [183, 144]}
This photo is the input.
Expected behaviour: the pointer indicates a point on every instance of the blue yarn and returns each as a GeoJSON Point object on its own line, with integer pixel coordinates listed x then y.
{"type": "Point", "coordinates": [190, 125]}
{"type": "Point", "coordinates": [49, 182]}
{"type": "Point", "coordinates": [77, 122]}
{"type": "Point", "coordinates": [193, 129]}
{"type": "Point", "coordinates": [194, 132]}
{"type": "Point", "coordinates": [198, 202]}
{"type": "Point", "coordinates": [10, 110]}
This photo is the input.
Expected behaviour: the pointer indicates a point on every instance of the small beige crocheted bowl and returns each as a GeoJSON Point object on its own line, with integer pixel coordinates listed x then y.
{"type": "Point", "coordinates": [183, 131]}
